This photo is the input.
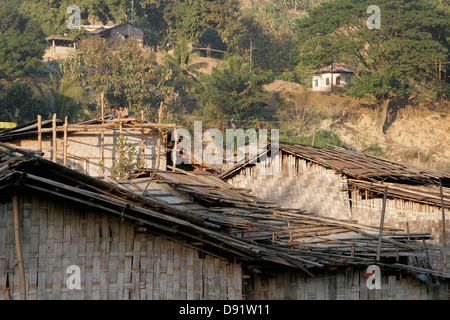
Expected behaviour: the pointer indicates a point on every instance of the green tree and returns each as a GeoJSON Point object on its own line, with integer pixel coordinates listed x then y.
{"type": "Point", "coordinates": [410, 47]}
{"type": "Point", "coordinates": [181, 63]}
{"type": "Point", "coordinates": [268, 29]}
{"type": "Point", "coordinates": [232, 92]}
{"type": "Point", "coordinates": [19, 56]}
{"type": "Point", "coordinates": [190, 18]}
{"type": "Point", "coordinates": [125, 161]}
{"type": "Point", "coordinates": [63, 97]}
{"type": "Point", "coordinates": [21, 43]}
{"type": "Point", "coordinates": [122, 71]}
{"type": "Point", "coordinates": [18, 104]}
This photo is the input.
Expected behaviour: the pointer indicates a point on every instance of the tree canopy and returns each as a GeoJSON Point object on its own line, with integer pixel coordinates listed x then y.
{"type": "Point", "coordinates": [233, 92]}
{"type": "Point", "coordinates": [407, 53]}
{"type": "Point", "coordinates": [21, 43]}
{"type": "Point", "coordinates": [121, 71]}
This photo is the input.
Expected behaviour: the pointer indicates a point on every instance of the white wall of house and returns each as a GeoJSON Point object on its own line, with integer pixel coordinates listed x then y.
{"type": "Point", "coordinates": [322, 82]}
{"type": "Point", "coordinates": [57, 52]}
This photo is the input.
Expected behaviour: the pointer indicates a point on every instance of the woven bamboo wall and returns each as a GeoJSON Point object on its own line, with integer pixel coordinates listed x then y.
{"type": "Point", "coordinates": [83, 149]}
{"type": "Point", "coordinates": [116, 262]}
{"type": "Point", "coordinates": [298, 184]}
{"type": "Point", "coordinates": [401, 214]}
{"type": "Point", "coordinates": [341, 284]}
{"type": "Point", "coordinates": [420, 217]}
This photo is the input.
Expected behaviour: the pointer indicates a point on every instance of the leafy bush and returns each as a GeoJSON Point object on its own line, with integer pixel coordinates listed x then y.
{"type": "Point", "coordinates": [125, 162]}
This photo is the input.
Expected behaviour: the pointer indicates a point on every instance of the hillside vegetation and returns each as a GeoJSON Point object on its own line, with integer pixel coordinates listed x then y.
{"type": "Point", "coordinates": [417, 134]}
{"type": "Point", "coordinates": [268, 53]}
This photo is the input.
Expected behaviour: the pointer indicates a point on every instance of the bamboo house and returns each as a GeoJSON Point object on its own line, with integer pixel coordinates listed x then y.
{"type": "Point", "coordinates": [89, 146]}
{"type": "Point", "coordinates": [348, 185]}
{"type": "Point", "coordinates": [176, 234]}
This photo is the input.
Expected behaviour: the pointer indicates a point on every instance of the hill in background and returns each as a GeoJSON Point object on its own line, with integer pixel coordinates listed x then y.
{"type": "Point", "coordinates": [417, 134]}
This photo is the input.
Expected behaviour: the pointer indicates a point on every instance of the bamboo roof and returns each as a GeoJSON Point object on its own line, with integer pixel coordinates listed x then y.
{"type": "Point", "coordinates": [367, 172]}
{"type": "Point", "coordinates": [216, 217]}
{"type": "Point", "coordinates": [356, 165]}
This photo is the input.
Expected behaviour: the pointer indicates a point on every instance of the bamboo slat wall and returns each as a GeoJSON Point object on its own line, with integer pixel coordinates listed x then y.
{"type": "Point", "coordinates": [116, 262]}
{"type": "Point", "coordinates": [84, 152]}
{"type": "Point", "coordinates": [341, 284]}
{"type": "Point", "coordinates": [403, 214]}
{"type": "Point", "coordinates": [420, 217]}
{"type": "Point", "coordinates": [314, 188]}
{"type": "Point", "coordinates": [298, 184]}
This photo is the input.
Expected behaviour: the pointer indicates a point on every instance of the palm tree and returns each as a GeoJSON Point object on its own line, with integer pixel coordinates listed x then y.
{"type": "Point", "coordinates": [234, 64]}
{"type": "Point", "coordinates": [63, 97]}
{"type": "Point", "coordinates": [182, 64]}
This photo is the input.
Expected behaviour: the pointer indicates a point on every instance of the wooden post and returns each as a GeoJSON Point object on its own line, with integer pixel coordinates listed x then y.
{"type": "Point", "coordinates": [102, 105]}
{"type": "Point", "coordinates": [65, 142]}
{"type": "Point", "coordinates": [39, 120]}
{"type": "Point", "coordinates": [383, 210]}
{"type": "Point", "coordinates": [142, 137]}
{"type": "Point", "coordinates": [158, 156]}
{"type": "Point", "coordinates": [15, 205]}
{"type": "Point", "coordinates": [55, 147]}
{"type": "Point", "coordinates": [102, 134]}
{"type": "Point", "coordinates": [444, 241]}
{"type": "Point", "coordinates": [313, 137]}
{"type": "Point", "coordinates": [158, 149]}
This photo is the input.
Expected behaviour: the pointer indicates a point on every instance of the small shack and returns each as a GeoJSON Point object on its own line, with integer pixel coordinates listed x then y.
{"type": "Point", "coordinates": [122, 32]}
{"type": "Point", "coordinates": [89, 146]}
{"type": "Point", "coordinates": [59, 47]}
{"type": "Point", "coordinates": [334, 77]}
{"type": "Point", "coordinates": [187, 235]}
{"type": "Point", "coordinates": [345, 184]}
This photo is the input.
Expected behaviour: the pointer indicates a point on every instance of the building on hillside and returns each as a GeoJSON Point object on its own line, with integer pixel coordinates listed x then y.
{"type": "Point", "coordinates": [59, 47]}
{"type": "Point", "coordinates": [344, 184]}
{"type": "Point", "coordinates": [334, 77]}
{"type": "Point", "coordinates": [122, 32]}
{"type": "Point", "coordinates": [186, 235]}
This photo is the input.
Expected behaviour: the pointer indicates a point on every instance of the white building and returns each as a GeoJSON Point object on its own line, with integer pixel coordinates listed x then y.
{"type": "Point", "coordinates": [334, 77]}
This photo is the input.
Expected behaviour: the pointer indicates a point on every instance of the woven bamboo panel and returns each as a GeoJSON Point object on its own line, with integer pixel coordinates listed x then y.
{"type": "Point", "coordinates": [298, 184]}
{"type": "Point", "coordinates": [420, 217]}
{"type": "Point", "coordinates": [83, 149]}
{"type": "Point", "coordinates": [115, 261]}
{"type": "Point", "coordinates": [341, 284]}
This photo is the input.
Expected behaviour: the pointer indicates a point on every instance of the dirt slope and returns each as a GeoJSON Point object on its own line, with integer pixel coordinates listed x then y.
{"type": "Point", "coordinates": [417, 135]}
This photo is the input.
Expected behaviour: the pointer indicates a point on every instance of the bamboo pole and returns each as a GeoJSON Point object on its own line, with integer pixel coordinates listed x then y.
{"type": "Point", "coordinates": [39, 120]}
{"type": "Point", "coordinates": [158, 156]}
{"type": "Point", "coordinates": [18, 247]}
{"type": "Point", "coordinates": [444, 241]}
{"type": "Point", "coordinates": [142, 137]}
{"type": "Point", "coordinates": [111, 126]}
{"type": "Point", "coordinates": [158, 150]}
{"type": "Point", "coordinates": [102, 105]}
{"type": "Point", "coordinates": [55, 147]}
{"type": "Point", "coordinates": [65, 142]}
{"type": "Point", "coordinates": [102, 134]}
{"type": "Point", "coordinates": [383, 210]}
